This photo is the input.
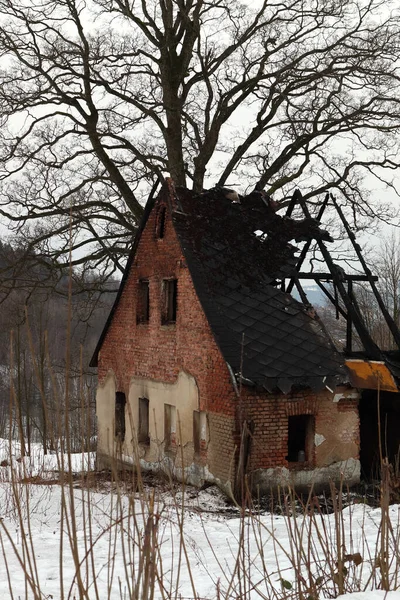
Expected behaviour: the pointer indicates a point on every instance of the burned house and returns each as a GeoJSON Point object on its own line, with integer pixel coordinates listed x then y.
{"type": "Point", "coordinates": [208, 367]}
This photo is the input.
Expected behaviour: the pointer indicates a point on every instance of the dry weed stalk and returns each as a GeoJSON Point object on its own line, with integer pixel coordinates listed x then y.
{"type": "Point", "coordinates": [320, 555]}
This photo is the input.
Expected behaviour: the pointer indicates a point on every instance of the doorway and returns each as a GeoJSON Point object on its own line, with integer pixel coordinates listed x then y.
{"type": "Point", "coordinates": [389, 409]}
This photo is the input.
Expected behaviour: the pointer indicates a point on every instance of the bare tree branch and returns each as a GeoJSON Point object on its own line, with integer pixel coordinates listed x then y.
{"type": "Point", "coordinates": [99, 100]}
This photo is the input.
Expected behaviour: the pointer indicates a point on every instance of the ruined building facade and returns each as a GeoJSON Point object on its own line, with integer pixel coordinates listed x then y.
{"type": "Point", "coordinates": [207, 369]}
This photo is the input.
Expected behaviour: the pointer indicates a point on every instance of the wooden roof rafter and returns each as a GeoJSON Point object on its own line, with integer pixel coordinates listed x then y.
{"type": "Point", "coordinates": [343, 297]}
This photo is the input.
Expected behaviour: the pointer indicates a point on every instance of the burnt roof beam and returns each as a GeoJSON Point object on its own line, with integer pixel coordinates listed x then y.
{"type": "Point", "coordinates": [296, 198]}
{"type": "Point", "coordinates": [394, 330]}
{"type": "Point", "coordinates": [302, 293]}
{"type": "Point", "coordinates": [332, 299]}
{"type": "Point", "coordinates": [349, 323]}
{"type": "Point", "coordinates": [337, 277]}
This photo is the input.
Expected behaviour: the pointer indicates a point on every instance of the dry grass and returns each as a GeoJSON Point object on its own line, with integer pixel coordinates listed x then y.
{"type": "Point", "coordinates": [319, 556]}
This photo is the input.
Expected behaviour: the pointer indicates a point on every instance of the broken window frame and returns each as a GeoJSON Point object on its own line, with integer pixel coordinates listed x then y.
{"type": "Point", "coordinates": [143, 302]}
{"type": "Point", "coordinates": [169, 428]}
{"type": "Point", "coordinates": [301, 442]}
{"type": "Point", "coordinates": [169, 307]}
{"type": "Point", "coordinates": [119, 416]}
{"type": "Point", "coordinates": [144, 421]}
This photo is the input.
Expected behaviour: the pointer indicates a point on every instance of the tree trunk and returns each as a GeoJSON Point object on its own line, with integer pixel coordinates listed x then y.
{"type": "Point", "coordinates": [173, 132]}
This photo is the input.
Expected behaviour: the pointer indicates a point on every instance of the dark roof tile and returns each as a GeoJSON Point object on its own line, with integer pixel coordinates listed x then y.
{"type": "Point", "coordinates": [247, 320]}
{"type": "Point", "coordinates": [236, 326]}
{"type": "Point", "coordinates": [233, 274]}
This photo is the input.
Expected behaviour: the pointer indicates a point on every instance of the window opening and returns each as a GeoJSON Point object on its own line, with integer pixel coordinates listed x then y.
{"type": "Point", "coordinates": [143, 302]}
{"type": "Point", "coordinates": [199, 430]}
{"type": "Point", "coordinates": [160, 225]}
{"type": "Point", "coordinates": [143, 429]}
{"type": "Point", "coordinates": [169, 427]}
{"type": "Point", "coordinates": [120, 402]}
{"type": "Point", "coordinates": [300, 438]}
{"type": "Point", "coordinates": [170, 296]}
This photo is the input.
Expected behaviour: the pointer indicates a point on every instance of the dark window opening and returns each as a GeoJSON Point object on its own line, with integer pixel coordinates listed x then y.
{"type": "Point", "coordinates": [379, 431]}
{"type": "Point", "coordinates": [120, 403]}
{"type": "Point", "coordinates": [160, 225]}
{"type": "Point", "coordinates": [143, 302]}
{"type": "Point", "coordinates": [170, 295]}
{"type": "Point", "coordinates": [300, 438]}
{"type": "Point", "coordinates": [169, 427]}
{"type": "Point", "coordinates": [199, 431]}
{"type": "Point", "coordinates": [143, 429]}
{"type": "Point", "coordinates": [196, 431]}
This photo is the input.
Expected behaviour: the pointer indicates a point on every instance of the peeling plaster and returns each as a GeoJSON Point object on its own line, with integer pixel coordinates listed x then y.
{"type": "Point", "coordinates": [319, 439]}
{"type": "Point", "coordinates": [343, 396]}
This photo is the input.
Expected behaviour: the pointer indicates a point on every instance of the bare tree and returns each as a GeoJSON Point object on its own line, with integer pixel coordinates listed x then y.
{"type": "Point", "coordinates": [100, 99]}
{"type": "Point", "coordinates": [385, 263]}
{"type": "Point", "coordinates": [34, 328]}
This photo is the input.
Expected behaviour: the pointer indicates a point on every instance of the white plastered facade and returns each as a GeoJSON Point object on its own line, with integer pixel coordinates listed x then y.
{"type": "Point", "coordinates": [183, 395]}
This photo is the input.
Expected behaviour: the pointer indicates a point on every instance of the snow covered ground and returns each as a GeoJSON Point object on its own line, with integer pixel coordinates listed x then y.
{"type": "Point", "coordinates": [52, 535]}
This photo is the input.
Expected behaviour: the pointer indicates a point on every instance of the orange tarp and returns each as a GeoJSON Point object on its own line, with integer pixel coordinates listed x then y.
{"type": "Point", "coordinates": [371, 375]}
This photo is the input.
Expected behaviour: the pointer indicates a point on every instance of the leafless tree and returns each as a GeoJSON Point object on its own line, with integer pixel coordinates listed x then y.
{"type": "Point", "coordinates": [34, 328]}
{"type": "Point", "coordinates": [386, 264]}
{"type": "Point", "coordinates": [384, 261]}
{"type": "Point", "coordinates": [99, 99]}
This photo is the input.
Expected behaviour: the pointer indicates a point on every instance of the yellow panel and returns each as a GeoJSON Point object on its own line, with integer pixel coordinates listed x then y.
{"type": "Point", "coordinates": [371, 375]}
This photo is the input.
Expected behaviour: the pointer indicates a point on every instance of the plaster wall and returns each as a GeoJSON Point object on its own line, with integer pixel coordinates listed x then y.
{"type": "Point", "coordinates": [338, 426]}
{"type": "Point", "coordinates": [105, 413]}
{"type": "Point", "coordinates": [183, 395]}
{"type": "Point", "coordinates": [217, 450]}
{"type": "Point", "coordinates": [346, 471]}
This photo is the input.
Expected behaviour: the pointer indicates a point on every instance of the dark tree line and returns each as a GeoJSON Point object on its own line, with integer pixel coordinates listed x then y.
{"type": "Point", "coordinates": [45, 382]}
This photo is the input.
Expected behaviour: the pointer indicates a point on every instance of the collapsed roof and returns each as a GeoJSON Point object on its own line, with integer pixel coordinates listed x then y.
{"type": "Point", "coordinates": [236, 253]}
{"type": "Point", "coordinates": [239, 254]}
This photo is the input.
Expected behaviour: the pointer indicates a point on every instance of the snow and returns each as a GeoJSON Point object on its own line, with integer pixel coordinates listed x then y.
{"type": "Point", "coordinates": [371, 595]}
{"type": "Point", "coordinates": [47, 529]}
{"type": "Point", "coordinates": [39, 463]}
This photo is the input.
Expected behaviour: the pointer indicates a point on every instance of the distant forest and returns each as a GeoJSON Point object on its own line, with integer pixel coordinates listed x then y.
{"type": "Point", "coordinates": [49, 325]}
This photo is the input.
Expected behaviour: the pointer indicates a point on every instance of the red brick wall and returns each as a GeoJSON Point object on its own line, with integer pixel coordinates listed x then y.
{"type": "Point", "coordinates": [338, 422]}
{"type": "Point", "coordinates": [158, 351]}
{"type": "Point", "coordinates": [270, 417]}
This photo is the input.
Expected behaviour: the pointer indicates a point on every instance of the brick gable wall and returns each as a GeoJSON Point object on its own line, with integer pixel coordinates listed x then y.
{"type": "Point", "coordinates": [158, 351]}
